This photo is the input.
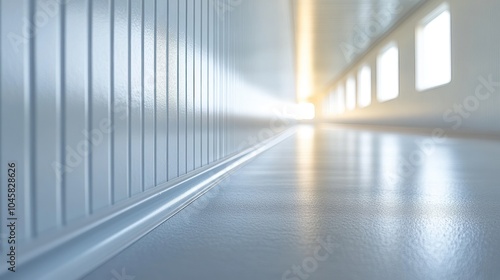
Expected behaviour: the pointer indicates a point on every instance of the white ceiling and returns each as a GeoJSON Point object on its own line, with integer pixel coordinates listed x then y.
{"type": "Point", "coordinates": [338, 27]}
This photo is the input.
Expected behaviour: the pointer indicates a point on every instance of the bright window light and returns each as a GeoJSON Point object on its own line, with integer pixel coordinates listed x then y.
{"type": "Point", "coordinates": [434, 49]}
{"type": "Point", "coordinates": [307, 111]}
{"type": "Point", "coordinates": [331, 103]}
{"type": "Point", "coordinates": [326, 109]}
{"type": "Point", "coordinates": [388, 74]}
{"type": "Point", "coordinates": [365, 86]}
{"type": "Point", "coordinates": [351, 94]}
{"type": "Point", "coordinates": [340, 100]}
{"type": "Point", "coordinates": [328, 103]}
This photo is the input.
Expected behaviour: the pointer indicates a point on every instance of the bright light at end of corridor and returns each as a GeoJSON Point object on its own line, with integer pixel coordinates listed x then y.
{"type": "Point", "coordinates": [306, 111]}
{"type": "Point", "coordinates": [304, 49]}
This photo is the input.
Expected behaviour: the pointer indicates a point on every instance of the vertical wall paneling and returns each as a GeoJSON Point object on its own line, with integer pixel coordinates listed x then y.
{"type": "Point", "coordinates": [204, 26]}
{"type": "Point", "coordinates": [111, 110]}
{"type": "Point", "coordinates": [30, 111]}
{"type": "Point", "coordinates": [223, 87]}
{"type": "Point", "coordinates": [46, 117]}
{"type": "Point", "coordinates": [230, 93]}
{"type": "Point", "coordinates": [225, 73]}
{"type": "Point", "coordinates": [190, 86]}
{"type": "Point", "coordinates": [149, 102]}
{"type": "Point", "coordinates": [217, 89]}
{"type": "Point", "coordinates": [137, 95]}
{"type": "Point", "coordinates": [210, 84]}
{"type": "Point", "coordinates": [120, 117]}
{"type": "Point", "coordinates": [198, 78]}
{"type": "Point", "coordinates": [129, 101]}
{"type": "Point", "coordinates": [216, 84]}
{"type": "Point", "coordinates": [173, 146]}
{"type": "Point", "coordinates": [76, 194]}
{"type": "Point", "coordinates": [61, 86]}
{"type": "Point", "coordinates": [100, 123]}
{"type": "Point", "coordinates": [15, 95]}
{"type": "Point", "coordinates": [102, 100]}
{"type": "Point", "coordinates": [161, 91]}
{"type": "Point", "coordinates": [232, 84]}
{"type": "Point", "coordinates": [227, 80]}
{"type": "Point", "coordinates": [181, 86]}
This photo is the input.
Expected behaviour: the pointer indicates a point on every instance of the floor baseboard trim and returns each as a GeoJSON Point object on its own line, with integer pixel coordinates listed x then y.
{"type": "Point", "coordinates": [88, 247]}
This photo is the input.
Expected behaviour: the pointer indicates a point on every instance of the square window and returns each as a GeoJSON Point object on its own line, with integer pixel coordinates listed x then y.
{"type": "Point", "coordinates": [433, 49]}
{"type": "Point", "coordinates": [388, 74]}
{"type": "Point", "coordinates": [365, 86]}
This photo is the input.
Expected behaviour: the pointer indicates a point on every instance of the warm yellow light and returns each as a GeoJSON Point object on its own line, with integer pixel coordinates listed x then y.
{"type": "Point", "coordinates": [304, 49]}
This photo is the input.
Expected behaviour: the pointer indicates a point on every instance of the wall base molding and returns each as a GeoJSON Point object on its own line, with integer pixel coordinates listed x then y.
{"type": "Point", "coordinates": [80, 248]}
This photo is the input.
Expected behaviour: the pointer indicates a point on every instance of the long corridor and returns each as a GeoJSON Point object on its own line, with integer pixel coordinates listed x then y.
{"type": "Point", "coordinates": [337, 202]}
{"type": "Point", "coordinates": [249, 140]}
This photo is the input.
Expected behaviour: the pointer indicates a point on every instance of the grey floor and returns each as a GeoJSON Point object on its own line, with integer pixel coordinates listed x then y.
{"type": "Point", "coordinates": [336, 203]}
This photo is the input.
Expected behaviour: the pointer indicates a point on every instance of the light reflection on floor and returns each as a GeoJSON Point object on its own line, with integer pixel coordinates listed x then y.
{"type": "Point", "coordinates": [433, 219]}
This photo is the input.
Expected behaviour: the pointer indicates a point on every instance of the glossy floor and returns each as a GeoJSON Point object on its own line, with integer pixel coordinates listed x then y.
{"type": "Point", "coordinates": [337, 203]}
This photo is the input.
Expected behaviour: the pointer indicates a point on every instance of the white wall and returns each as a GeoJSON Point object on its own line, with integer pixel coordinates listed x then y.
{"type": "Point", "coordinates": [475, 54]}
{"type": "Point", "coordinates": [163, 85]}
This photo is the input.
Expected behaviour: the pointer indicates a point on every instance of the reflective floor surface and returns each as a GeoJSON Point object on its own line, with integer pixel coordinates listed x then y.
{"type": "Point", "coordinates": [337, 202]}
